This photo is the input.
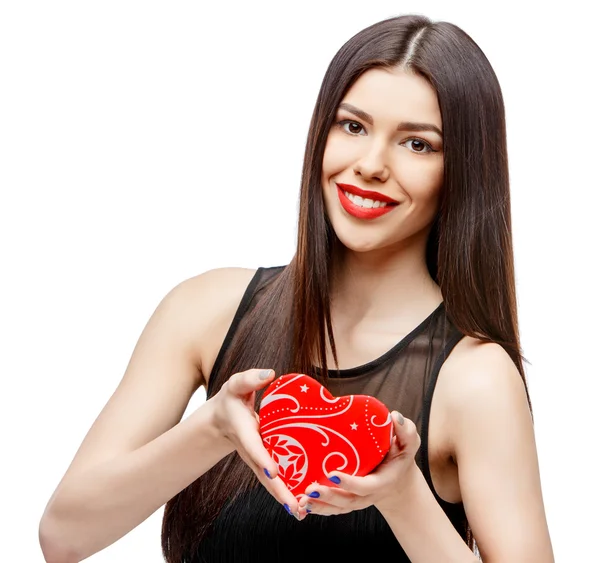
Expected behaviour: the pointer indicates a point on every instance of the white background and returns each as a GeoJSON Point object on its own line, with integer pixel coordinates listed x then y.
{"type": "Point", "coordinates": [142, 143]}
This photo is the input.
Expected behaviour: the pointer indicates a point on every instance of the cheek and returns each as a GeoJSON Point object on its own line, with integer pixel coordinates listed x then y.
{"type": "Point", "coordinates": [421, 180]}
{"type": "Point", "coordinates": [338, 155]}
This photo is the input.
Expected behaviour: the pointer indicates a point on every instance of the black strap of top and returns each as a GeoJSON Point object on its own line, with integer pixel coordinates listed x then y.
{"type": "Point", "coordinates": [241, 311]}
{"type": "Point", "coordinates": [452, 342]}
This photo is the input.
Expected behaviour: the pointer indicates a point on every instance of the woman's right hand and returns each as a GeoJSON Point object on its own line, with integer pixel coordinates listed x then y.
{"type": "Point", "coordinates": [236, 420]}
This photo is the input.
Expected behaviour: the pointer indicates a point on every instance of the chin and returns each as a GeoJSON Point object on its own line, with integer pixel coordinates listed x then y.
{"type": "Point", "coordinates": [358, 243]}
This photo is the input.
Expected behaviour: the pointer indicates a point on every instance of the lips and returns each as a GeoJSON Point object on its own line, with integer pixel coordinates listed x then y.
{"type": "Point", "coordinates": [363, 212]}
{"type": "Point", "coordinates": [355, 190]}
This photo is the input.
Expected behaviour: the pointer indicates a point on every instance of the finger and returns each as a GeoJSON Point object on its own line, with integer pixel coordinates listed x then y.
{"type": "Point", "coordinates": [254, 453]}
{"type": "Point", "coordinates": [276, 487]}
{"type": "Point", "coordinates": [324, 509]}
{"type": "Point", "coordinates": [406, 433]}
{"type": "Point", "coordinates": [330, 495]}
{"type": "Point", "coordinates": [405, 444]}
{"type": "Point", "coordinates": [393, 451]}
{"type": "Point", "coordinates": [353, 485]}
{"type": "Point", "coordinates": [246, 382]}
{"type": "Point", "coordinates": [250, 441]}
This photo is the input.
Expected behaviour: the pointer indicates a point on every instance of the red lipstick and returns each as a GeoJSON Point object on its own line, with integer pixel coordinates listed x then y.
{"type": "Point", "coordinates": [366, 193]}
{"type": "Point", "coordinates": [364, 212]}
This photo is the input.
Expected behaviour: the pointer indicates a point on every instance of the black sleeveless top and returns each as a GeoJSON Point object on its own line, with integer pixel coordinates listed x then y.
{"type": "Point", "coordinates": [256, 528]}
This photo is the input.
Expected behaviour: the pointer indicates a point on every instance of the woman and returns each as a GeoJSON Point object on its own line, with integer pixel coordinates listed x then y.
{"type": "Point", "coordinates": [403, 280]}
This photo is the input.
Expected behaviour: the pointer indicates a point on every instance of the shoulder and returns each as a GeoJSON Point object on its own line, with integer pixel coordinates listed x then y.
{"type": "Point", "coordinates": [480, 385]}
{"type": "Point", "coordinates": [209, 293]}
{"type": "Point", "coordinates": [220, 284]}
{"type": "Point", "coordinates": [475, 367]}
{"type": "Point", "coordinates": [205, 305]}
{"type": "Point", "coordinates": [492, 442]}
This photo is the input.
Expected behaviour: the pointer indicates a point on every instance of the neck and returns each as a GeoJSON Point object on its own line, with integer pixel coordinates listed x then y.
{"type": "Point", "coordinates": [385, 283]}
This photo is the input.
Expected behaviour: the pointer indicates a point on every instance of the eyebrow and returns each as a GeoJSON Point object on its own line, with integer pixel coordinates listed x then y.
{"type": "Point", "coordinates": [404, 126]}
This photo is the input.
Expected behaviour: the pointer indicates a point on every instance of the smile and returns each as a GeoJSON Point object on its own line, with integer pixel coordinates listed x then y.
{"type": "Point", "coordinates": [361, 206]}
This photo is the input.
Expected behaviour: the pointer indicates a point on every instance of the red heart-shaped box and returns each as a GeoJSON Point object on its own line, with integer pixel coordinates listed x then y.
{"type": "Point", "coordinates": [310, 433]}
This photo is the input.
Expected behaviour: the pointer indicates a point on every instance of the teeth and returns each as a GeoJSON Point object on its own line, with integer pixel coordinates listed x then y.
{"type": "Point", "coordinates": [364, 202]}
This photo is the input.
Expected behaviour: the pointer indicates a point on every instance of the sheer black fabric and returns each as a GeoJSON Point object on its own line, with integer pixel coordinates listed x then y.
{"type": "Point", "coordinates": [255, 527]}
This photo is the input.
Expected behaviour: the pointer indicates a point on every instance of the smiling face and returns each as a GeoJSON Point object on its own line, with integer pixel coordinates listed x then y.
{"type": "Point", "coordinates": [385, 146]}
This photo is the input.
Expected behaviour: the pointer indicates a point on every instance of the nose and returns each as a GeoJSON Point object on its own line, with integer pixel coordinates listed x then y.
{"type": "Point", "coordinates": [372, 165]}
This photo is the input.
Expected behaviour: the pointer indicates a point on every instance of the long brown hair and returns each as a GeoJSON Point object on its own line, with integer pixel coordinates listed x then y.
{"type": "Point", "coordinates": [469, 251]}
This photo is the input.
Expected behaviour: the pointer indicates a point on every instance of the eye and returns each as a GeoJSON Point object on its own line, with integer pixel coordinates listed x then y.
{"type": "Point", "coordinates": [352, 127]}
{"type": "Point", "coordinates": [419, 146]}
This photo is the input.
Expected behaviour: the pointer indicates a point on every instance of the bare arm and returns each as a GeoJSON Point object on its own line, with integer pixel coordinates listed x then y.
{"type": "Point", "coordinates": [493, 444]}
{"type": "Point", "coordinates": [136, 456]}
{"type": "Point", "coordinates": [495, 451]}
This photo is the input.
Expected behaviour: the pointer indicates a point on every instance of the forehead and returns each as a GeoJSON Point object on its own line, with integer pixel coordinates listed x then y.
{"type": "Point", "coordinates": [396, 95]}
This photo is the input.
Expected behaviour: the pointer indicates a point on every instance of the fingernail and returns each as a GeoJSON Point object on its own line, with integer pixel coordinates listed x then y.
{"type": "Point", "coordinates": [308, 510]}
{"type": "Point", "coordinates": [335, 479]}
{"type": "Point", "coordinates": [314, 494]}
{"type": "Point", "coordinates": [265, 373]}
{"type": "Point", "coordinates": [288, 509]}
{"type": "Point", "coordinates": [267, 473]}
{"type": "Point", "coordinates": [399, 418]}
{"type": "Point", "coordinates": [309, 507]}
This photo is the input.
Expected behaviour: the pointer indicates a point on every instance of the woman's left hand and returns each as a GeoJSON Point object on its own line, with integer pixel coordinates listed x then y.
{"type": "Point", "coordinates": [382, 487]}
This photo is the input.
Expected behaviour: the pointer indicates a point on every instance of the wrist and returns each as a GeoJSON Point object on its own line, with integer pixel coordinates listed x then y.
{"type": "Point", "coordinates": [400, 501]}
{"type": "Point", "coordinates": [207, 422]}
{"type": "Point", "coordinates": [420, 524]}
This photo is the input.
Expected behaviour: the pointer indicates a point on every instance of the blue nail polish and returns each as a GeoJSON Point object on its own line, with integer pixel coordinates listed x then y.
{"type": "Point", "coordinates": [335, 479]}
{"type": "Point", "coordinates": [267, 474]}
{"type": "Point", "coordinates": [314, 494]}
{"type": "Point", "coordinates": [308, 510]}
{"type": "Point", "coordinates": [288, 509]}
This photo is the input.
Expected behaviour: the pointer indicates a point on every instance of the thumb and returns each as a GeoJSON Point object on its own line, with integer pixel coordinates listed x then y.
{"type": "Point", "coordinates": [246, 382]}
{"type": "Point", "coordinates": [398, 419]}
{"type": "Point", "coordinates": [406, 433]}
